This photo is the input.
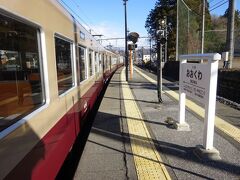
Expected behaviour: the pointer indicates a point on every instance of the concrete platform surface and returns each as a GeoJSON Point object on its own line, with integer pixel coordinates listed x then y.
{"type": "Point", "coordinates": [110, 151]}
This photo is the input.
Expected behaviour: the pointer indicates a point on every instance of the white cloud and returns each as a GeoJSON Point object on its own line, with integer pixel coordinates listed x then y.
{"type": "Point", "coordinates": [110, 30]}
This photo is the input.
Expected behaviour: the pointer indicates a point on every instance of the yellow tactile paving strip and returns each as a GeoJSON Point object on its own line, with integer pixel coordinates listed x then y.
{"type": "Point", "coordinates": [232, 132]}
{"type": "Point", "coordinates": [147, 161]}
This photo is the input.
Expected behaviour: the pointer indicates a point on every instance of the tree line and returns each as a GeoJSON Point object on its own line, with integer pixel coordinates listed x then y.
{"type": "Point", "coordinates": [215, 26]}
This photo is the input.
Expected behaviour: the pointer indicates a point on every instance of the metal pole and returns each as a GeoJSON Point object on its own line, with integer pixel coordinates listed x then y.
{"type": "Point", "coordinates": [150, 53]}
{"type": "Point", "coordinates": [126, 44]}
{"type": "Point", "coordinates": [160, 75]}
{"type": "Point", "coordinates": [165, 35]}
{"type": "Point", "coordinates": [166, 45]}
{"type": "Point", "coordinates": [177, 30]}
{"type": "Point", "coordinates": [130, 64]}
{"type": "Point", "coordinates": [203, 25]}
{"type": "Point", "coordinates": [230, 31]}
{"type": "Point", "coordinates": [188, 32]}
{"type": "Point", "coordinates": [159, 72]}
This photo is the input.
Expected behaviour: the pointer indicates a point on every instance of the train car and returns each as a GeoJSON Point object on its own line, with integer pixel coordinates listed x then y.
{"type": "Point", "coordinates": [51, 73]}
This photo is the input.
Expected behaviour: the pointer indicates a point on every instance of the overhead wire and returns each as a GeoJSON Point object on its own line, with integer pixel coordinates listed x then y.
{"type": "Point", "coordinates": [215, 6]}
{"type": "Point", "coordinates": [210, 1]}
{"type": "Point", "coordinates": [87, 24]}
{"type": "Point", "coordinates": [218, 6]}
{"type": "Point", "coordinates": [79, 18]}
{"type": "Point", "coordinates": [78, 6]}
{"type": "Point", "coordinates": [82, 11]}
{"type": "Point", "coordinates": [69, 8]}
{"type": "Point", "coordinates": [89, 20]}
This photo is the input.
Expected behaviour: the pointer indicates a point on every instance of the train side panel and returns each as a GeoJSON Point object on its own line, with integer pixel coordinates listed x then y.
{"type": "Point", "coordinates": [37, 146]}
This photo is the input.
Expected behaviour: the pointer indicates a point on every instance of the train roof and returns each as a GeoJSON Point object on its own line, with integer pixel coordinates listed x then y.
{"type": "Point", "coordinates": [83, 31]}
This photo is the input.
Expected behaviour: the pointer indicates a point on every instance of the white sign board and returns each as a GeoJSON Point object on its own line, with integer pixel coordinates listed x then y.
{"type": "Point", "coordinates": [199, 81]}
{"type": "Point", "coordinates": [195, 80]}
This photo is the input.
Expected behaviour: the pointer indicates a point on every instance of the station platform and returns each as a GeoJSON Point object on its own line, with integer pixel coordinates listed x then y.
{"type": "Point", "coordinates": [130, 138]}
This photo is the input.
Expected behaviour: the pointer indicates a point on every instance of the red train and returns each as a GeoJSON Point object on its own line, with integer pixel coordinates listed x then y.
{"type": "Point", "coordinates": [51, 73]}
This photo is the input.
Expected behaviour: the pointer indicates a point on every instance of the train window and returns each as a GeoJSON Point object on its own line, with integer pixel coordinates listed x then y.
{"type": "Point", "coordinates": [82, 35]}
{"type": "Point", "coordinates": [21, 89]}
{"type": "Point", "coordinates": [65, 76]}
{"type": "Point", "coordinates": [108, 58]}
{"type": "Point", "coordinates": [114, 60]}
{"type": "Point", "coordinates": [96, 62]}
{"type": "Point", "coordinates": [82, 62]}
{"type": "Point", "coordinates": [103, 62]}
{"type": "Point", "coordinates": [110, 62]}
{"type": "Point", "coordinates": [107, 62]}
{"type": "Point", "coordinates": [100, 62]}
{"type": "Point", "coordinates": [90, 62]}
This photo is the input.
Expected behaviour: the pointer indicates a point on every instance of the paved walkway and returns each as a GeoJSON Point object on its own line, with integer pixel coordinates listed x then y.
{"type": "Point", "coordinates": [107, 154]}
{"type": "Point", "coordinates": [129, 134]}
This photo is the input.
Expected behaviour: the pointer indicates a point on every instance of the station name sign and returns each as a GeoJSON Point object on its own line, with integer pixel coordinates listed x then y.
{"type": "Point", "coordinates": [195, 80]}
{"type": "Point", "coordinates": [199, 81]}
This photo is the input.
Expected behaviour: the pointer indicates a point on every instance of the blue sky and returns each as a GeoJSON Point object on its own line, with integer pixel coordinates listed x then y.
{"type": "Point", "coordinates": [220, 10]}
{"type": "Point", "coordinates": [111, 13]}
{"type": "Point", "coordinates": [107, 16]}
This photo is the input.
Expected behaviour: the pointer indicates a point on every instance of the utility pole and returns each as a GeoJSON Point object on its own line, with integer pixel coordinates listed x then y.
{"type": "Point", "coordinates": [203, 25]}
{"type": "Point", "coordinates": [230, 31]}
{"type": "Point", "coordinates": [126, 44]}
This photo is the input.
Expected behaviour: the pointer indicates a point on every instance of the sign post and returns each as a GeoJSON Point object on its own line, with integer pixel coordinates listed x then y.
{"type": "Point", "coordinates": [131, 64]}
{"type": "Point", "coordinates": [133, 36]}
{"type": "Point", "coordinates": [131, 48]}
{"type": "Point", "coordinates": [181, 125]}
{"type": "Point", "coordinates": [199, 82]}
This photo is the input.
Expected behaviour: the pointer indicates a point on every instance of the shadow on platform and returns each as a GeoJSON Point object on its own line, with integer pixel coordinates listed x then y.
{"type": "Point", "coordinates": [110, 126]}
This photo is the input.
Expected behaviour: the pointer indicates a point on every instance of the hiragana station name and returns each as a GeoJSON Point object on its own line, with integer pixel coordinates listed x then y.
{"type": "Point", "coordinates": [193, 80]}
